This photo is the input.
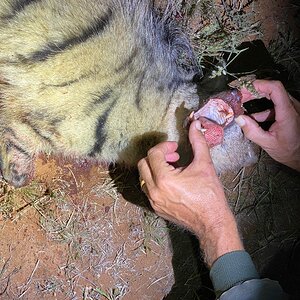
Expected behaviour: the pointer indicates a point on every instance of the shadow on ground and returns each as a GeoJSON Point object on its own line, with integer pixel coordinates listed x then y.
{"type": "Point", "coordinates": [191, 275]}
{"type": "Point", "coordinates": [268, 216]}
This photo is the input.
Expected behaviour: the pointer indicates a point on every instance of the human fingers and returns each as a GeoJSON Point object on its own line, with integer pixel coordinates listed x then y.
{"type": "Point", "coordinates": [246, 95]}
{"type": "Point", "coordinates": [275, 91]}
{"type": "Point", "coordinates": [296, 103]}
{"type": "Point", "coordinates": [145, 173]}
{"type": "Point", "coordinates": [160, 155]}
{"type": "Point", "coordinates": [199, 145]}
{"type": "Point", "coordinates": [172, 157]}
{"type": "Point", "coordinates": [263, 116]}
{"type": "Point", "coordinates": [253, 131]}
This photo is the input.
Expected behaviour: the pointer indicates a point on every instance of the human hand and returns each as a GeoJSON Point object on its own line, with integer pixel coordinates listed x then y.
{"type": "Point", "coordinates": [192, 197]}
{"type": "Point", "coordinates": [282, 140]}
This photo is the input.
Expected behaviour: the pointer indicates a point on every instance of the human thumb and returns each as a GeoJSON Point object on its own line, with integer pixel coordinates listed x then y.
{"type": "Point", "coordinates": [253, 131]}
{"type": "Point", "coordinates": [198, 142]}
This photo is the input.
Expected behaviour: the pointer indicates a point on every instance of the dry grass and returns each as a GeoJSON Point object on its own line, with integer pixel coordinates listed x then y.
{"type": "Point", "coordinates": [90, 229]}
{"type": "Point", "coordinates": [90, 293]}
{"type": "Point", "coordinates": [15, 202]}
{"type": "Point", "coordinates": [5, 274]}
{"type": "Point", "coordinates": [265, 200]}
{"type": "Point", "coordinates": [216, 27]}
{"type": "Point", "coordinates": [152, 231]}
{"type": "Point", "coordinates": [89, 235]}
{"type": "Point", "coordinates": [51, 285]}
{"type": "Point", "coordinates": [285, 51]}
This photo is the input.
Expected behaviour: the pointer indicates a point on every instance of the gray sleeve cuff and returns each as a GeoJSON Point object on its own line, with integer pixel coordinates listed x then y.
{"type": "Point", "coordinates": [230, 269]}
{"type": "Point", "coordinates": [256, 289]}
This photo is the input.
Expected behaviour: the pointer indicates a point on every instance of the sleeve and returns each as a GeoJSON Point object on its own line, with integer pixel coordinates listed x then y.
{"type": "Point", "coordinates": [234, 276]}
{"type": "Point", "coordinates": [256, 289]}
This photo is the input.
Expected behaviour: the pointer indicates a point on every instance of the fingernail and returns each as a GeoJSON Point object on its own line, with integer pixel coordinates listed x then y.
{"type": "Point", "coordinates": [240, 121]}
{"type": "Point", "coordinates": [198, 125]}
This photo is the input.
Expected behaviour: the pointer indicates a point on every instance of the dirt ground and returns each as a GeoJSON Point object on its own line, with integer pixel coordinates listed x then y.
{"type": "Point", "coordinates": [85, 231]}
{"type": "Point", "coordinates": [81, 239]}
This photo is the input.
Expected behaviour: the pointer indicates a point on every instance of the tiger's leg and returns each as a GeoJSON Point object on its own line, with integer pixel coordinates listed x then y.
{"type": "Point", "coordinates": [16, 162]}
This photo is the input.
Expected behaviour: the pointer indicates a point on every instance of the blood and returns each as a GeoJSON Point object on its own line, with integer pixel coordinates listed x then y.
{"type": "Point", "coordinates": [218, 112]}
{"type": "Point", "coordinates": [213, 133]}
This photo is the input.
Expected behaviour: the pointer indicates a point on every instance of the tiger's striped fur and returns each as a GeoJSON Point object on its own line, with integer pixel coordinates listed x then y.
{"type": "Point", "coordinates": [90, 78]}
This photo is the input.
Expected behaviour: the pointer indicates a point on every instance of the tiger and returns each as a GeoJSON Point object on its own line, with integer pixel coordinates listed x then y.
{"type": "Point", "coordinates": [96, 79]}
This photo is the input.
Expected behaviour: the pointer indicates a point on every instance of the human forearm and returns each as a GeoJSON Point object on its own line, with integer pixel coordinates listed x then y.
{"type": "Point", "coordinates": [220, 239]}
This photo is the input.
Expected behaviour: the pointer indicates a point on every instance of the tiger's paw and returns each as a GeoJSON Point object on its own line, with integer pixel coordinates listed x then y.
{"type": "Point", "coordinates": [16, 175]}
{"type": "Point", "coordinates": [16, 167]}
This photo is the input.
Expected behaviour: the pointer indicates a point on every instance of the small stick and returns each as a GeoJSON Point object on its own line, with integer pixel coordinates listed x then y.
{"type": "Point", "coordinates": [29, 279]}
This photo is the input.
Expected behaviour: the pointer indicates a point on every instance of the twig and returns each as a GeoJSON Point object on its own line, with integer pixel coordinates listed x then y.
{"type": "Point", "coordinates": [4, 267]}
{"type": "Point", "coordinates": [239, 185]}
{"type": "Point", "coordinates": [157, 280]}
{"type": "Point", "coordinates": [6, 286]}
{"type": "Point", "coordinates": [76, 183]}
{"type": "Point", "coordinates": [26, 287]}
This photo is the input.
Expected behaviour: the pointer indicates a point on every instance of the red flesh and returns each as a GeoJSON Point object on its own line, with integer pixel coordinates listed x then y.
{"type": "Point", "coordinates": [213, 133]}
{"type": "Point", "coordinates": [212, 115]}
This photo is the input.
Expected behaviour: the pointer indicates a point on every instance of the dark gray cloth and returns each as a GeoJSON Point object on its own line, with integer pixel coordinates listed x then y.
{"type": "Point", "coordinates": [234, 276]}
{"type": "Point", "coordinates": [255, 289]}
{"type": "Point", "coordinates": [231, 269]}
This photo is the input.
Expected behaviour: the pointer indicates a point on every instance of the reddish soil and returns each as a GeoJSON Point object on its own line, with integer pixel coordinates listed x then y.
{"type": "Point", "coordinates": [277, 15]}
{"type": "Point", "coordinates": [113, 248]}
